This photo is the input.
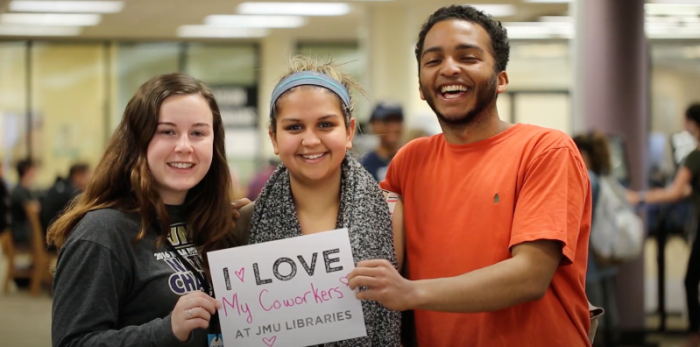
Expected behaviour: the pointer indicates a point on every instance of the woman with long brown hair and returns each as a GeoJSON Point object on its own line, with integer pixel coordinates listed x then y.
{"type": "Point", "coordinates": [129, 271]}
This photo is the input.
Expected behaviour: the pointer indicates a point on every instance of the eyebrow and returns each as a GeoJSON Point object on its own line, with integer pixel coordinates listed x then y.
{"type": "Point", "coordinates": [195, 125]}
{"type": "Point", "coordinates": [460, 47]}
{"type": "Point", "coordinates": [290, 120]}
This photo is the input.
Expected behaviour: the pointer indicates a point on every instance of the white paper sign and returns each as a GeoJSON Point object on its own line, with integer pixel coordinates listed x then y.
{"type": "Point", "coordinates": [291, 292]}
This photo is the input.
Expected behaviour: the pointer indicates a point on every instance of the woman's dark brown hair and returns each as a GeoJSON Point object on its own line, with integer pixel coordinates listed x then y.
{"type": "Point", "coordinates": [596, 146]}
{"type": "Point", "coordinates": [123, 181]}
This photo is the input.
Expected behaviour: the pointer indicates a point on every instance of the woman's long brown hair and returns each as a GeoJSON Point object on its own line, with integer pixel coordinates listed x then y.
{"type": "Point", "coordinates": [123, 181]}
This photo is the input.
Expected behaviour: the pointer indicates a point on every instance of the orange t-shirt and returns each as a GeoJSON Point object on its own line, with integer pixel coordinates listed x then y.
{"type": "Point", "coordinates": [466, 206]}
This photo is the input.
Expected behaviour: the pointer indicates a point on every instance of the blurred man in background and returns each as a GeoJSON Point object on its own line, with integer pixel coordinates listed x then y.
{"type": "Point", "coordinates": [63, 192]}
{"type": "Point", "coordinates": [22, 200]}
{"type": "Point", "coordinates": [387, 123]}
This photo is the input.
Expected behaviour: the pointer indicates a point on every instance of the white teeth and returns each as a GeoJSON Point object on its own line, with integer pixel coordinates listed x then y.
{"type": "Point", "coordinates": [181, 165]}
{"type": "Point", "coordinates": [313, 156]}
{"type": "Point", "coordinates": [453, 88]}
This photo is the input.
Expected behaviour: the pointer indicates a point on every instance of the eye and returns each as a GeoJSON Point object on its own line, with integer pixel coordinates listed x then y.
{"type": "Point", "coordinates": [326, 125]}
{"type": "Point", "coordinates": [293, 127]}
{"type": "Point", "coordinates": [166, 132]}
{"type": "Point", "coordinates": [469, 58]}
{"type": "Point", "coordinates": [198, 133]}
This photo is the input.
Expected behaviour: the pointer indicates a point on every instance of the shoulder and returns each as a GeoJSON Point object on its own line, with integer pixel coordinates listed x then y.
{"type": "Point", "coordinates": [538, 144]}
{"type": "Point", "coordinates": [542, 139]}
{"type": "Point", "coordinates": [107, 227]}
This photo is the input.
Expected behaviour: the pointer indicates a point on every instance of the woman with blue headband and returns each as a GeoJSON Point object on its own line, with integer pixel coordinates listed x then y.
{"type": "Point", "coordinates": [319, 186]}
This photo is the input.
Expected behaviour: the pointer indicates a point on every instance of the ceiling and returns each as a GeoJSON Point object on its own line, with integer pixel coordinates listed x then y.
{"type": "Point", "coordinates": [160, 19]}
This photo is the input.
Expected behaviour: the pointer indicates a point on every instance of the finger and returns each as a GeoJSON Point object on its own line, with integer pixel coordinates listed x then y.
{"type": "Point", "coordinates": [208, 304]}
{"type": "Point", "coordinates": [198, 313]}
{"type": "Point", "coordinates": [365, 271]}
{"type": "Point", "coordinates": [374, 263]}
{"type": "Point", "coordinates": [240, 203]}
{"type": "Point", "coordinates": [363, 281]}
{"type": "Point", "coordinates": [195, 294]}
{"type": "Point", "coordinates": [367, 295]}
{"type": "Point", "coordinates": [235, 214]}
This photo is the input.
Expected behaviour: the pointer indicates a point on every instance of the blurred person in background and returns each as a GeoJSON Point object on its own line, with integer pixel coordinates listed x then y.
{"type": "Point", "coordinates": [387, 123]}
{"type": "Point", "coordinates": [600, 275]}
{"type": "Point", "coordinates": [23, 202]}
{"type": "Point", "coordinates": [258, 182]}
{"type": "Point", "coordinates": [686, 183]}
{"type": "Point", "coordinates": [63, 191]}
{"type": "Point", "coordinates": [4, 201]}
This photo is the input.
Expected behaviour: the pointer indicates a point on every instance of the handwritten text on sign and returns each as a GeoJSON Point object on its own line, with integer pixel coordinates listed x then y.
{"type": "Point", "coordinates": [291, 292]}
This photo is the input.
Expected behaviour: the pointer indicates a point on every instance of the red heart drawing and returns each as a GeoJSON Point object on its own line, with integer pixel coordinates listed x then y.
{"type": "Point", "coordinates": [344, 280]}
{"type": "Point", "coordinates": [270, 341]}
{"type": "Point", "coordinates": [240, 273]}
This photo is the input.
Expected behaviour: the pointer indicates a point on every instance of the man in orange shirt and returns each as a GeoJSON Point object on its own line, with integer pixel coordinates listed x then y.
{"type": "Point", "coordinates": [497, 216]}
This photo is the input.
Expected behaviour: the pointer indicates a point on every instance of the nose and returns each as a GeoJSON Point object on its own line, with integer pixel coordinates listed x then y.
{"type": "Point", "coordinates": [183, 145]}
{"type": "Point", "coordinates": [449, 67]}
{"type": "Point", "coordinates": [310, 139]}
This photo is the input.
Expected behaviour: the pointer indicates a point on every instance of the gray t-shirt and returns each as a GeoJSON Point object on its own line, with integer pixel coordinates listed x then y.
{"type": "Point", "coordinates": [109, 291]}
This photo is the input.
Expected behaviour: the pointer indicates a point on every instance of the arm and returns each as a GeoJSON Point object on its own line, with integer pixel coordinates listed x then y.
{"type": "Point", "coordinates": [89, 285]}
{"type": "Point", "coordinates": [244, 217]}
{"type": "Point", "coordinates": [677, 191]}
{"type": "Point", "coordinates": [522, 278]}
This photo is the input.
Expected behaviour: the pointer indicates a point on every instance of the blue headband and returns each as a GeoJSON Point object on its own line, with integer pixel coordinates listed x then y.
{"type": "Point", "coordinates": [310, 78]}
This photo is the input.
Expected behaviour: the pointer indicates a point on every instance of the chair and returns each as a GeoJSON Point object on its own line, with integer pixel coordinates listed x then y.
{"type": "Point", "coordinates": [39, 273]}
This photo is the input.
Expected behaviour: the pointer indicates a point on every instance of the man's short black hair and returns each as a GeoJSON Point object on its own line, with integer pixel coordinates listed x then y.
{"type": "Point", "coordinates": [500, 48]}
{"type": "Point", "coordinates": [78, 168]}
{"type": "Point", "coordinates": [23, 166]}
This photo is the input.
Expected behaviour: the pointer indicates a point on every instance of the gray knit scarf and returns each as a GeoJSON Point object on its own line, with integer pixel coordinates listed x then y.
{"type": "Point", "coordinates": [363, 211]}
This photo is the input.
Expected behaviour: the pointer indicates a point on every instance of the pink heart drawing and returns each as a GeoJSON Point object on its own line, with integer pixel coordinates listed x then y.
{"type": "Point", "coordinates": [240, 274]}
{"type": "Point", "coordinates": [344, 280]}
{"type": "Point", "coordinates": [270, 341]}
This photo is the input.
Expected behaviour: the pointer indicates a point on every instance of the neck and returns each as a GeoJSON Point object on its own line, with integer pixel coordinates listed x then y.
{"type": "Point", "coordinates": [316, 197]}
{"type": "Point", "coordinates": [24, 183]}
{"type": "Point", "coordinates": [386, 151]}
{"type": "Point", "coordinates": [485, 125]}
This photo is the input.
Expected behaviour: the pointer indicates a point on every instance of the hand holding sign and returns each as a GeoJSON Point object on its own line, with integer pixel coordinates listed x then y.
{"type": "Point", "coordinates": [291, 292]}
{"type": "Point", "coordinates": [192, 311]}
{"type": "Point", "coordinates": [385, 285]}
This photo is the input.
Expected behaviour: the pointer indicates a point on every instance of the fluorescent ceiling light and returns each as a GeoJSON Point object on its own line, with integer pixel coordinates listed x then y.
{"type": "Point", "coordinates": [67, 6]}
{"type": "Point", "coordinates": [25, 30]}
{"type": "Point", "coordinates": [539, 30]}
{"type": "Point", "coordinates": [253, 21]}
{"type": "Point", "coordinates": [556, 19]}
{"type": "Point", "coordinates": [672, 10]}
{"type": "Point", "coordinates": [50, 19]}
{"type": "Point", "coordinates": [496, 10]}
{"type": "Point", "coordinates": [295, 8]}
{"type": "Point", "coordinates": [219, 32]}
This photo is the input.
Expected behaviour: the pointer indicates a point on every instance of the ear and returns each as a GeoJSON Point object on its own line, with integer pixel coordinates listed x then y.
{"type": "Point", "coordinates": [502, 82]}
{"type": "Point", "coordinates": [420, 91]}
{"type": "Point", "coordinates": [350, 134]}
{"type": "Point", "coordinates": [273, 139]}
